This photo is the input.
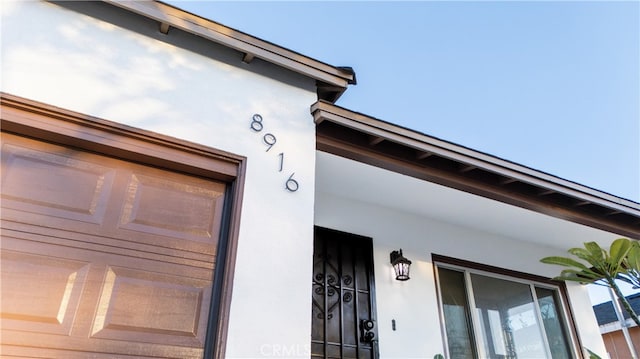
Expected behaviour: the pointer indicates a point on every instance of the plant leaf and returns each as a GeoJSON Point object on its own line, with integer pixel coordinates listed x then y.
{"type": "Point", "coordinates": [618, 251]}
{"type": "Point", "coordinates": [564, 261]}
{"type": "Point", "coordinates": [598, 255]}
{"type": "Point", "coordinates": [577, 276]}
{"type": "Point", "coordinates": [583, 254]}
{"type": "Point", "coordinates": [633, 257]}
{"type": "Point", "coordinates": [592, 355]}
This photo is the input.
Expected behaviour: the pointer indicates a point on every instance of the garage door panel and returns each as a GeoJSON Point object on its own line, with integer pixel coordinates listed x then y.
{"type": "Point", "coordinates": [55, 184]}
{"type": "Point", "coordinates": [152, 307]}
{"type": "Point", "coordinates": [50, 346]}
{"type": "Point", "coordinates": [101, 257]}
{"type": "Point", "coordinates": [57, 187]}
{"type": "Point", "coordinates": [160, 206]}
{"type": "Point", "coordinates": [18, 352]}
{"type": "Point", "coordinates": [23, 242]}
{"type": "Point", "coordinates": [40, 293]}
{"type": "Point", "coordinates": [38, 234]}
{"type": "Point", "coordinates": [105, 297]}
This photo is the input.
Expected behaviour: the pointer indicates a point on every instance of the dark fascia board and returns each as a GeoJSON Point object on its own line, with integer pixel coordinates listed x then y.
{"type": "Point", "coordinates": [383, 144]}
{"type": "Point", "coordinates": [332, 81]}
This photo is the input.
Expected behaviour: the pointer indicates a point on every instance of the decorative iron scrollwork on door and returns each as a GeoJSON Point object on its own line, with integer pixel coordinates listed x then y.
{"type": "Point", "coordinates": [342, 296]}
{"type": "Point", "coordinates": [331, 291]}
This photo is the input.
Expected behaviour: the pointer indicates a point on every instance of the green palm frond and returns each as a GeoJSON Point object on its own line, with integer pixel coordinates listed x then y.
{"type": "Point", "coordinates": [621, 261]}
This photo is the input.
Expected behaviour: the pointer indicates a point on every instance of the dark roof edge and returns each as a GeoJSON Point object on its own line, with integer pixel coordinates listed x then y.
{"type": "Point", "coordinates": [328, 76]}
{"type": "Point", "coordinates": [381, 130]}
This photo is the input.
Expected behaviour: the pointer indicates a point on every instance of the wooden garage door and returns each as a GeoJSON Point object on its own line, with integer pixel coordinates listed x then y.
{"type": "Point", "coordinates": [103, 257]}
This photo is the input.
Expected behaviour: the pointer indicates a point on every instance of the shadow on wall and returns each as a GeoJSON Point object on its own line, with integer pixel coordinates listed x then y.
{"type": "Point", "coordinates": [124, 76]}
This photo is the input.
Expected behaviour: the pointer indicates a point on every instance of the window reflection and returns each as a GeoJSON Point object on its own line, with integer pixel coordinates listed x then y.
{"type": "Point", "coordinates": [510, 328]}
{"type": "Point", "coordinates": [513, 318]}
{"type": "Point", "coordinates": [456, 314]}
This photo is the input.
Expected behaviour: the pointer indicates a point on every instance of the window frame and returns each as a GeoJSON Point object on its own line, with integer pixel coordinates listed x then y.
{"type": "Point", "coordinates": [533, 281]}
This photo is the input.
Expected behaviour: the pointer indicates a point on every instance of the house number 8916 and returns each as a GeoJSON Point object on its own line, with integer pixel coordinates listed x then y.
{"type": "Point", "coordinates": [270, 140]}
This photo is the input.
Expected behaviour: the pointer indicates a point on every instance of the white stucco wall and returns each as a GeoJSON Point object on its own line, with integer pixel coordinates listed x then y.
{"type": "Point", "coordinates": [73, 61]}
{"type": "Point", "coordinates": [414, 304]}
{"type": "Point", "coordinates": [67, 59]}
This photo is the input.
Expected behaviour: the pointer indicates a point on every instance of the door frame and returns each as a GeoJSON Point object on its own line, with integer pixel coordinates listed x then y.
{"type": "Point", "coordinates": [52, 124]}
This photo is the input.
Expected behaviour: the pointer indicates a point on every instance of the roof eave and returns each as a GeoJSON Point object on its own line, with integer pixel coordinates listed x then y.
{"type": "Point", "coordinates": [376, 142]}
{"type": "Point", "coordinates": [332, 81]}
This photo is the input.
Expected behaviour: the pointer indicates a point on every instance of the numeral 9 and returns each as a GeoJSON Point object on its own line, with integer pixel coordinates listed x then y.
{"type": "Point", "coordinates": [270, 140]}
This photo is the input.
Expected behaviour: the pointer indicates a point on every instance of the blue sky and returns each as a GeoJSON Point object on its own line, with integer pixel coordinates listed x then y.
{"type": "Point", "coordinates": [547, 84]}
{"type": "Point", "coordinates": [550, 85]}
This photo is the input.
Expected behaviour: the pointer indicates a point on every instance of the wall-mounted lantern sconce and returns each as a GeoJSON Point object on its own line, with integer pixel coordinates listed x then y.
{"type": "Point", "coordinates": [400, 265]}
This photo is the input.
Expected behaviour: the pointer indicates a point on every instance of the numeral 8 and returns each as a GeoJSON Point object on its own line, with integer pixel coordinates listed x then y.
{"type": "Point", "coordinates": [256, 123]}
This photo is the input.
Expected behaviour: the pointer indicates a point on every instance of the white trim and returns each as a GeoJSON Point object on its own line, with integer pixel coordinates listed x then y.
{"type": "Point", "coordinates": [615, 326]}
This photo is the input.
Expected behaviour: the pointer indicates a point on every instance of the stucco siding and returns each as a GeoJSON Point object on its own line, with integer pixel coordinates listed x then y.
{"type": "Point", "coordinates": [414, 304]}
{"type": "Point", "coordinates": [202, 93]}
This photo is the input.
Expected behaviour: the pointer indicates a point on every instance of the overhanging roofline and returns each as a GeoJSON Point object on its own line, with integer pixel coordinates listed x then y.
{"type": "Point", "coordinates": [366, 139]}
{"type": "Point", "coordinates": [332, 81]}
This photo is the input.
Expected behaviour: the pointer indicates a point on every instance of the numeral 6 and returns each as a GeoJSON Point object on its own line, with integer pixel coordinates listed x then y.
{"type": "Point", "coordinates": [291, 184]}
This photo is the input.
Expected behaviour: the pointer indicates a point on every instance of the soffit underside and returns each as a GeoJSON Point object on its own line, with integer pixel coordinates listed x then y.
{"type": "Point", "coordinates": [476, 175]}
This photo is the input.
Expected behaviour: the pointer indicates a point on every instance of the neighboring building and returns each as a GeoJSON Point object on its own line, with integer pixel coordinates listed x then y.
{"type": "Point", "coordinates": [172, 187]}
{"type": "Point", "coordinates": [611, 329]}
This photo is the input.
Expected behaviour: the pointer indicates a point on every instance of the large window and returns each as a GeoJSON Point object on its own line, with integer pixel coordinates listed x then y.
{"type": "Point", "coordinates": [488, 315]}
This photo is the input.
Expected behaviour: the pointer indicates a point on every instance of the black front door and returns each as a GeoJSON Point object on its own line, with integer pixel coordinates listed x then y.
{"type": "Point", "coordinates": [343, 306]}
